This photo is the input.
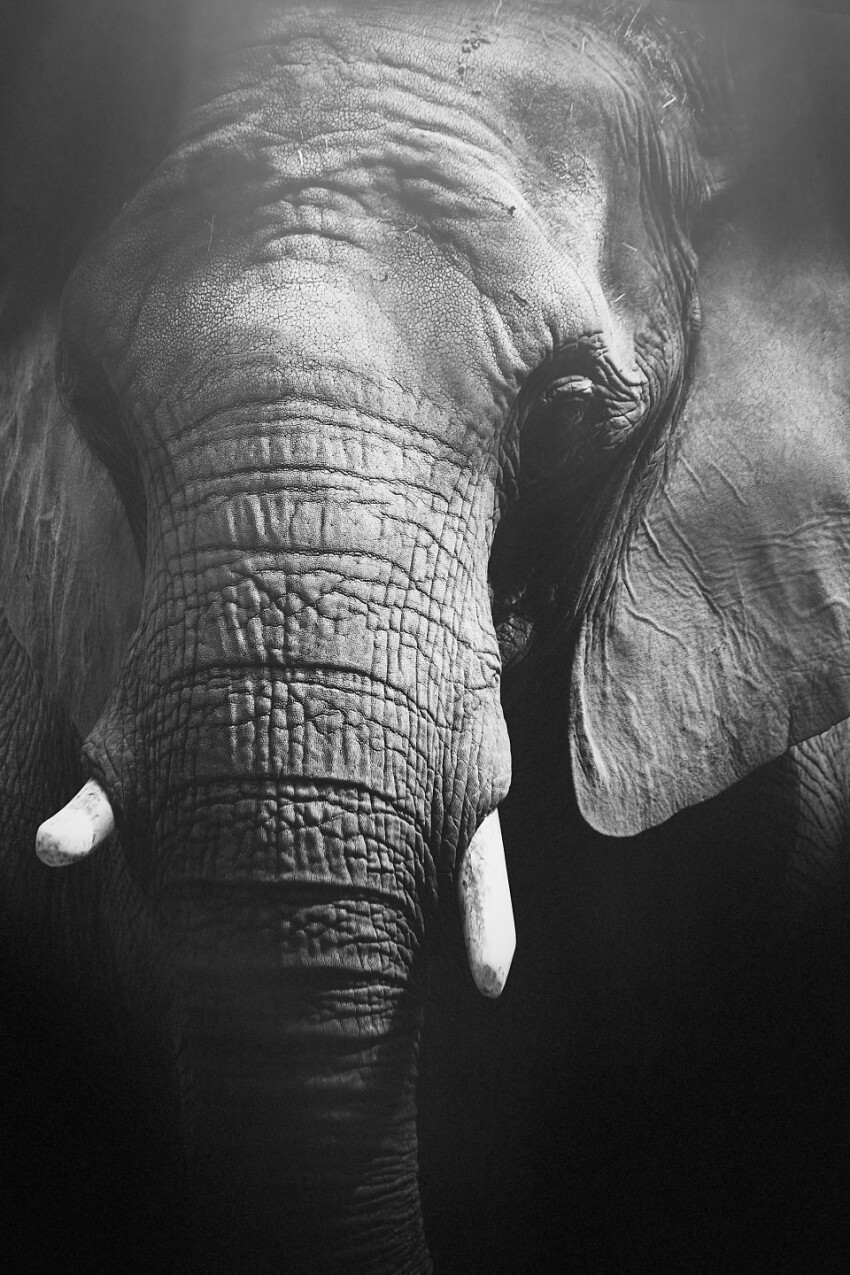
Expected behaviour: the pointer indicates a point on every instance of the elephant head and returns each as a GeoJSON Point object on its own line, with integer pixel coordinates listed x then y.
{"type": "Point", "coordinates": [390, 352]}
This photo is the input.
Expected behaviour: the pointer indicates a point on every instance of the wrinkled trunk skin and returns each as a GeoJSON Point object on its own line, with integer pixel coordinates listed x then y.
{"type": "Point", "coordinates": [302, 1106]}
{"type": "Point", "coordinates": [293, 731]}
{"type": "Point", "coordinates": [294, 903]}
{"type": "Point", "coordinates": [302, 1010]}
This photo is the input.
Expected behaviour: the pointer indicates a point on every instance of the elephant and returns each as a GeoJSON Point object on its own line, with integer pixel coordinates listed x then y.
{"type": "Point", "coordinates": [426, 532]}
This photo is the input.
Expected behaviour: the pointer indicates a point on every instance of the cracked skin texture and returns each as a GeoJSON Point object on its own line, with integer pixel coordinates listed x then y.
{"type": "Point", "coordinates": [376, 251]}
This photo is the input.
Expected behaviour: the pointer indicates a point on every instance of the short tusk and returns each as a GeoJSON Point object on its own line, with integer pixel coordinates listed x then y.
{"type": "Point", "coordinates": [485, 908]}
{"type": "Point", "coordinates": [77, 828]}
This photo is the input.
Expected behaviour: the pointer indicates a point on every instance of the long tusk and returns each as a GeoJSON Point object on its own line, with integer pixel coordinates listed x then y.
{"type": "Point", "coordinates": [485, 908]}
{"type": "Point", "coordinates": [77, 828]}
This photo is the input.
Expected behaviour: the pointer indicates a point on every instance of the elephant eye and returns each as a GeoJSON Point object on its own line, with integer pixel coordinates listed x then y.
{"type": "Point", "coordinates": [554, 425]}
{"type": "Point", "coordinates": [569, 398]}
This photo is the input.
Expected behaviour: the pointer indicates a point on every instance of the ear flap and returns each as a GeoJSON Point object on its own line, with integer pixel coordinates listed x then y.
{"type": "Point", "coordinates": [728, 639]}
{"type": "Point", "coordinates": [70, 583]}
{"type": "Point", "coordinates": [87, 93]}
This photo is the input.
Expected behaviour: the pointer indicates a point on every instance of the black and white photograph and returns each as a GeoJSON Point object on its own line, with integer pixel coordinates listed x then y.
{"type": "Point", "coordinates": [424, 637]}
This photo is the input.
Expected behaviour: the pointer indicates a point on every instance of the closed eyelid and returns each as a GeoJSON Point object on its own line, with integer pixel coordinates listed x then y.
{"type": "Point", "coordinates": [569, 386]}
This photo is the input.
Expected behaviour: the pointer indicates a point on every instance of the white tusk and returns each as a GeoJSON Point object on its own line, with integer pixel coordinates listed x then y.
{"type": "Point", "coordinates": [77, 828]}
{"type": "Point", "coordinates": [485, 908]}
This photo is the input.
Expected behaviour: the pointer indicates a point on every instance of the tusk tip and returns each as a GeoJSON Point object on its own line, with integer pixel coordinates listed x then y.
{"type": "Point", "coordinates": [63, 840]}
{"type": "Point", "coordinates": [51, 850]}
{"type": "Point", "coordinates": [485, 903]}
{"type": "Point", "coordinates": [490, 973]}
{"type": "Point", "coordinates": [77, 829]}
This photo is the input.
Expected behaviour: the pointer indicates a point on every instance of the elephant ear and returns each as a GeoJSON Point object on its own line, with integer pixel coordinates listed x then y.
{"type": "Point", "coordinates": [728, 637]}
{"type": "Point", "coordinates": [70, 583]}
{"type": "Point", "coordinates": [87, 94]}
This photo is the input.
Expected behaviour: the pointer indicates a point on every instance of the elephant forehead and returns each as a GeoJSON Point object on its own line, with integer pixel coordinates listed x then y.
{"type": "Point", "coordinates": [372, 207]}
{"type": "Point", "coordinates": [410, 316]}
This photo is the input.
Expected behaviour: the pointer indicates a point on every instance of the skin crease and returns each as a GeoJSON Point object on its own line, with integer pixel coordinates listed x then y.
{"type": "Point", "coordinates": [327, 350]}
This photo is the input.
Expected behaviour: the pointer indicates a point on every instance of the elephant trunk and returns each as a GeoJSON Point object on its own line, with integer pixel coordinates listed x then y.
{"type": "Point", "coordinates": [293, 900]}
{"type": "Point", "coordinates": [301, 1072]}
{"type": "Point", "coordinates": [307, 733]}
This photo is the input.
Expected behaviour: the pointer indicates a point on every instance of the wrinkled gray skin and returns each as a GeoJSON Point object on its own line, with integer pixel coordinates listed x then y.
{"type": "Point", "coordinates": [391, 358]}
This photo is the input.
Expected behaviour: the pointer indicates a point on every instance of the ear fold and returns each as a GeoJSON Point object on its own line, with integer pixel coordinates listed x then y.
{"type": "Point", "coordinates": [728, 639]}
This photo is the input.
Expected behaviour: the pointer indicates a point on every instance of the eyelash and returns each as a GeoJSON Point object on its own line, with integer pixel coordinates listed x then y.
{"type": "Point", "coordinates": [556, 420]}
{"type": "Point", "coordinates": [573, 395]}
